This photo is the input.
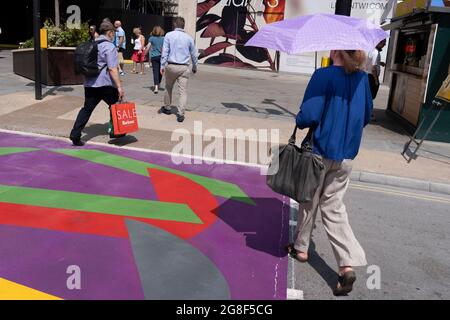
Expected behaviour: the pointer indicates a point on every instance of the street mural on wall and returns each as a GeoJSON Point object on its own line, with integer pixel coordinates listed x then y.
{"type": "Point", "coordinates": [135, 226]}
{"type": "Point", "coordinates": [225, 26]}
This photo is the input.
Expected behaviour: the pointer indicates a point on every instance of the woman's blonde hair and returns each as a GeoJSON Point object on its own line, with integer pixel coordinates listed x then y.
{"type": "Point", "coordinates": [137, 31]}
{"type": "Point", "coordinates": [158, 32]}
{"type": "Point", "coordinates": [353, 60]}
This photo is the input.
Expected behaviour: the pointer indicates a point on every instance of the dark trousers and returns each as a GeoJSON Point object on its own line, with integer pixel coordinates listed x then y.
{"type": "Point", "coordinates": [92, 97]}
{"type": "Point", "coordinates": [156, 66]}
{"type": "Point", "coordinates": [374, 85]}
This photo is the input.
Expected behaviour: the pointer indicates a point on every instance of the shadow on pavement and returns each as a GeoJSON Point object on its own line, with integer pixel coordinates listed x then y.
{"type": "Point", "coordinates": [265, 228]}
{"type": "Point", "coordinates": [52, 90]}
{"type": "Point", "coordinates": [382, 119]}
{"type": "Point", "coordinates": [121, 142]}
{"type": "Point", "coordinates": [97, 130]}
{"type": "Point", "coordinates": [321, 267]}
{"type": "Point", "coordinates": [273, 102]}
{"type": "Point", "coordinates": [246, 108]}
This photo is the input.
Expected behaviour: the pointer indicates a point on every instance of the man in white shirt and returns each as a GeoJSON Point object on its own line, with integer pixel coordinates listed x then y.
{"type": "Point", "coordinates": [373, 68]}
{"type": "Point", "coordinates": [178, 51]}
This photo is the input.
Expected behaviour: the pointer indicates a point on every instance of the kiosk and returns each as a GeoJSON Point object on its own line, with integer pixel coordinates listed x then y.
{"type": "Point", "coordinates": [419, 62]}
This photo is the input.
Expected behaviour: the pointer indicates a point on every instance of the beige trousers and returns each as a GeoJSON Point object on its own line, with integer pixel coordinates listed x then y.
{"type": "Point", "coordinates": [329, 200]}
{"type": "Point", "coordinates": [180, 74]}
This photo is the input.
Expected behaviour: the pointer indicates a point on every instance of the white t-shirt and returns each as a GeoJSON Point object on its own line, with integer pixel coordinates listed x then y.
{"type": "Point", "coordinates": [374, 60]}
{"type": "Point", "coordinates": [137, 44]}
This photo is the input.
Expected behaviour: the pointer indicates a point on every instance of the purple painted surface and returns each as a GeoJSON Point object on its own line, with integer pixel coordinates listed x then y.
{"type": "Point", "coordinates": [37, 170]}
{"type": "Point", "coordinates": [39, 259]}
{"type": "Point", "coordinates": [245, 243]}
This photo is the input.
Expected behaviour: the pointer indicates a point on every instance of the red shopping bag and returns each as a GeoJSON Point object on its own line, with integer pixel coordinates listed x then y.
{"type": "Point", "coordinates": [124, 118]}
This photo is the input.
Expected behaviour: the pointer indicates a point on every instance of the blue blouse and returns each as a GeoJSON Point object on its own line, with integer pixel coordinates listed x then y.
{"type": "Point", "coordinates": [157, 44]}
{"type": "Point", "coordinates": [338, 106]}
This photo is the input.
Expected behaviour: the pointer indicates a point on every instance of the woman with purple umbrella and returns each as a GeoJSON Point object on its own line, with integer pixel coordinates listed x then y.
{"type": "Point", "coordinates": [337, 106]}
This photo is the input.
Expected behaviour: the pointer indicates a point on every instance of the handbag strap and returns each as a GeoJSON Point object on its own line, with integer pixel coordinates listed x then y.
{"type": "Point", "coordinates": [293, 137]}
{"type": "Point", "coordinates": [309, 137]}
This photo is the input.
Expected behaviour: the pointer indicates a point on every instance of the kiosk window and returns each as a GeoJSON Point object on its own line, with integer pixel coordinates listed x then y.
{"type": "Point", "coordinates": [412, 47]}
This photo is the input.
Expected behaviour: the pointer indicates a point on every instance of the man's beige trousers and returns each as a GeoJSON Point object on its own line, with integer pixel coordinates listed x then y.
{"type": "Point", "coordinates": [329, 200]}
{"type": "Point", "coordinates": [180, 75]}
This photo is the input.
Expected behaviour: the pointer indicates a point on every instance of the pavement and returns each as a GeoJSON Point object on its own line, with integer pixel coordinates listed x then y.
{"type": "Point", "coordinates": [399, 210]}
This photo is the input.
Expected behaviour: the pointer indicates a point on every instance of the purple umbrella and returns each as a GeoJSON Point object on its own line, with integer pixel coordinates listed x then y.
{"type": "Point", "coordinates": [319, 32]}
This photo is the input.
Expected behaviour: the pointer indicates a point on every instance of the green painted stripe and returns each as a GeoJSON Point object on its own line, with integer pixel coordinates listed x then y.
{"type": "Point", "coordinates": [98, 204]}
{"type": "Point", "coordinates": [216, 187]}
{"type": "Point", "coordinates": [8, 151]}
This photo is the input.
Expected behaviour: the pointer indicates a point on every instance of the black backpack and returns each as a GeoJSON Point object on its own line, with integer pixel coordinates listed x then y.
{"type": "Point", "coordinates": [86, 59]}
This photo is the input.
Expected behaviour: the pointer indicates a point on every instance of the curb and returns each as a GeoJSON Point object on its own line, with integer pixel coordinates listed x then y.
{"type": "Point", "coordinates": [393, 181]}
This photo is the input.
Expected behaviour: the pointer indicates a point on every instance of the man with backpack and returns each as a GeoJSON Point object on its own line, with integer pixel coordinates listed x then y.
{"type": "Point", "coordinates": [102, 77]}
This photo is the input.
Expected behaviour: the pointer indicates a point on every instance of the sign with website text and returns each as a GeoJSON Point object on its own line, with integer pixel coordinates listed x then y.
{"type": "Point", "coordinates": [371, 10]}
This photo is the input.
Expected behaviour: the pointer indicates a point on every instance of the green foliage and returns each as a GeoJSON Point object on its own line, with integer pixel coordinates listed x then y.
{"type": "Point", "coordinates": [65, 37]}
{"type": "Point", "coordinates": [28, 44]}
{"type": "Point", "coordinates": [62, 36]}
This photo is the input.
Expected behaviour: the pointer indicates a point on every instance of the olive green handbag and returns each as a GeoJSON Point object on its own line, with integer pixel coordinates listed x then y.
{"type": "Point", "coordinates": [295, 171]}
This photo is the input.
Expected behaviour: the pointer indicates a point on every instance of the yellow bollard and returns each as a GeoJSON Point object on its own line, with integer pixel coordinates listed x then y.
{"type": "Point", "coordinates": [326, 61]}
{"type": "Point", "coordinates": [44, 38]}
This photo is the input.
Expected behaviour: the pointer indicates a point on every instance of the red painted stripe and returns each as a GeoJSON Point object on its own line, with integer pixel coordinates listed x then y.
{"type": "Point", "coordinates": [169, 188]}
{"type": "Point", "coordinates": [79, 221]}
{"type": "Point", "coordinates": [62, 220]}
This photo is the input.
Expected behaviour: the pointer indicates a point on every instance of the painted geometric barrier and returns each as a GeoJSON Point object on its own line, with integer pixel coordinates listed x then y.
{"type": "Point", "coordinates": [135, 226]}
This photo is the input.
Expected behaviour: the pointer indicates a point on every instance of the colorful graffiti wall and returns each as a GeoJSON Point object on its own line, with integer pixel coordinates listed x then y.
{"type": "Point", "coordinates": [225, 26]}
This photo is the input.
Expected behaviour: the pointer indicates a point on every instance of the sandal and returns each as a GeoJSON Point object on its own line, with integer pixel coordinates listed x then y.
{"type": "Point", "coordinates": [345, 284]}
{"type": "Point", "coordinates": [294, 253]}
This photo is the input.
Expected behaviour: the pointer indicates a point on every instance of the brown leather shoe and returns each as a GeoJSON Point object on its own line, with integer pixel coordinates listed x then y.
{"type": "Point", "coordinates": [345, 284]}
{"type": "Point", "coordinates": [297, 255]}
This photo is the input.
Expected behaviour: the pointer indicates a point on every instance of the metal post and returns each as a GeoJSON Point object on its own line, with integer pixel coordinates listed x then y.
{"type": "Point", "coordinates": [37, 49]}
{"type": "Point", "coordinates": [344, 7]}
{"type": "Point", "coordinates": [57, 14]}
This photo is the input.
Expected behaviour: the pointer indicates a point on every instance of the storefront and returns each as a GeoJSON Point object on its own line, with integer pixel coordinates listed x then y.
{"type": "Point", "coordinates": [419, 62]}
{"type": "Point", "coordinates": [16, 21]}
